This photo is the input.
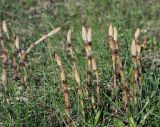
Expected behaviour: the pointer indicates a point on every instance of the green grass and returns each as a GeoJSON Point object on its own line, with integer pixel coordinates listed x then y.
{"type": "Point", "coordinates": [46, 108]}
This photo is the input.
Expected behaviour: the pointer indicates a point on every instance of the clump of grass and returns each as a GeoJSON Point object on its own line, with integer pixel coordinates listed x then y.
{"type": "Point", "coordinates": [64, 88]}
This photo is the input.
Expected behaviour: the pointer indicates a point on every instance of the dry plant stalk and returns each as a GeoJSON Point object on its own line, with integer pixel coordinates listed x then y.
{"type": "Point", "coordinates": [113, 47]}
{"type": "Point", "coordinates": [76, 73]}
{"type": "Point", "coordinates": [69, 44]}
{"type": "Point", "coordinates": [125, 96]}
{"type": "Point", "coordinates": [139, 64]}
{"type": "Point", "coordinates": [64, 88]}
{"type": "Point", "coordinates": [44, 37]}
{"type": "Point", "coordinates": [4, 70]}
{"type": "Point", "coordinates": [5, 29]}
{"type": "Point", "coordinates": [4, 77]}
{"type": "Point", "coordinates": [70, 49]}
{"type": "Point", "coordinates": [23, 65]}
{"type": "Point", "coordinates": [14, 64]}
{"type": "Point", "coordinates": [93, 103]}
{"type": "Point", "coordinates": [87, 37]}
{"type": "Point", "coordinates": [22, 54]}
{"type": "Point", "coordinates": [78, 80]}
{"type": "Point", "coordinates": [136, 35]}
{"type": "Point", "coordinates": [115, 56]}
{"type": "Point", "coordinates": [95, 69]}
{"type": "Point", "coordinates": [136, 59]}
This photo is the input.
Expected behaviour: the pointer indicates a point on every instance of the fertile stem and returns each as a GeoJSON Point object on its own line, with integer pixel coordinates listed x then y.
{"type": "Point", "coordinates": [76, 73]}
{"type": "Point", "coordinates": [64, 88]}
